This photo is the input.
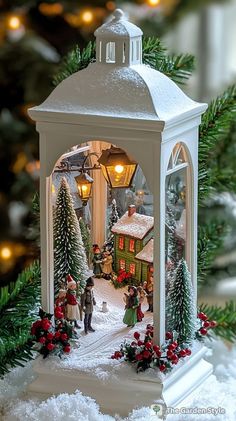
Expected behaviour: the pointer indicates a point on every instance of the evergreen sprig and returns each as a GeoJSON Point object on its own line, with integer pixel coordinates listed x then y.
{"type": "Point", "coordinates": [177, 67]}
{"type": "Point", "coordinates": [225, 318]}
{"type": "Point", "coordinates": [17, 313]}
{"type": "Point", "coordinates": [210, 241]}
{"type": "Point", "coordinates": [74, 61]}
{"type": "Point", "coordinates": [215, 128]}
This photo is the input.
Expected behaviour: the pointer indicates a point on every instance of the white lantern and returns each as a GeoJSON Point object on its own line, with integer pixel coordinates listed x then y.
{"type": "Point", "coordinates": [120, 101]}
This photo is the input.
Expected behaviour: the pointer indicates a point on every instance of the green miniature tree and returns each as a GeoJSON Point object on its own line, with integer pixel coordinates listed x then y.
{"type": "Point", "coordinates": [86, 237]}
{"type": "Point", "coordinates": [181, 311]}
{"type": "Point", "coordinates": [114, 216]}
{"type": "Point", "coordinates": [69, 253]}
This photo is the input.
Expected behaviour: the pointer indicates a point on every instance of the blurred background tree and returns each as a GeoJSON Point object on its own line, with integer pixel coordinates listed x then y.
{"type": "Point", "coordinates": [34, 37]}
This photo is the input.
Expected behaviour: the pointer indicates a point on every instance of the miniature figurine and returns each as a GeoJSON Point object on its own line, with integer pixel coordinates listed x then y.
{"type": "Point", "coordinates": [87, 303]}
{"type": "Point", "coordinates": [130, 317]}
{"type": "Point", "coordinates": [107, 265]}
{"type": "Point", "coordinates": [141, 297]}
{"type": "Point", "coordinates": [72, 308]}
{"type": "Point", "coordinates": [104, 307]}
{"type": "Point", "coordinates": [148, 288]}
{"type": "Point", "coordinates": [61, 301]}
{"type": "Point", "coordinates": [97, 261]}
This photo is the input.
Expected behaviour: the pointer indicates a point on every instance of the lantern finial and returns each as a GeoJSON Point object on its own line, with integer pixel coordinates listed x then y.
{"type": "Point", "coordinates": [118, 14]}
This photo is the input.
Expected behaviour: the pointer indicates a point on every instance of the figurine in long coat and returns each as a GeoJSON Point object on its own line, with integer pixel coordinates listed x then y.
{"type": "Point", "coordinates": [72, 308]}
{"type": "Point", "coordinates": [87, 303]}
{"type": "Point", "coordinates": [107, 265]}
{"type": "Point", "coordinates": [97, 261]}
{"type": "Point", "coordinates": [130, 317]}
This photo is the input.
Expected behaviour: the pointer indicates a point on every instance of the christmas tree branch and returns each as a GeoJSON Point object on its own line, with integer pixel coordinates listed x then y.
{"type": "Point", "coordinates": [215, 128]}
{"type": "Point", "coordinates": [210, 241]}
{"type": "Point", "coordinates": [16, 316]}
{"type": "Point", "coordinates": [178, 67]}
{"type": "Point", "coordinates": [225, 318]}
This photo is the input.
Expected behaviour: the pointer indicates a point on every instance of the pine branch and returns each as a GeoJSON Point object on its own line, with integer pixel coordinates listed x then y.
{"type": "Point", "coordinates": [178, 68]}
{"type": "Point", "coordinates": [210, 242]}
{"type": "Point", "coordinates": [16, 316]}
{"type": "Point", "coordinates": [216, 126]}
{"type": "Point", "coordinates": [225, 318]}
{"type": "Point", "coordinates": [74, 61]}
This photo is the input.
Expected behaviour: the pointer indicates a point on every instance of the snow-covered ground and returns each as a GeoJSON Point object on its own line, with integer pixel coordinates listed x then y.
{"type": "Point", "coordinates": [94, 353]}
{"type": "Point", "coordinates": [94, 350]}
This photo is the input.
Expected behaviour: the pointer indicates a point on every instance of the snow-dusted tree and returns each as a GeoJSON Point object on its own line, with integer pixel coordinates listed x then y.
{"type": "Point", "coordinates": [69, 253]}
{"type": "Point", "coordinates": [114, 216]}
{"type": "Point", "coordinates": [86, 237]}
{"type": "Point", "coordinates": [181, 310]}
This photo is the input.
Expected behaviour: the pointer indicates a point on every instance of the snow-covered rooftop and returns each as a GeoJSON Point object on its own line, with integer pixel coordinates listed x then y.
{"type": "Point", "coordinates": [146, 254]}
{"type": "Point", "coordinates": [136, 225]}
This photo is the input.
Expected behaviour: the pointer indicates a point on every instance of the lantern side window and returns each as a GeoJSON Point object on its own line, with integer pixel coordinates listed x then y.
{"type": "Point", "coordinates": [111, 52]}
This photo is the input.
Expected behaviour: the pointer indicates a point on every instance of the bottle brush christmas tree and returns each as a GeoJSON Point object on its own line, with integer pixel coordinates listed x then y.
{"type": "Point", "coordinates": [114, 216]}
{"type": "Point", "coordinates": [86, 237]}
{"type": "Point", "coordinates": [181, 311]}
{"type": "Point", "coordinates": [69, 253]}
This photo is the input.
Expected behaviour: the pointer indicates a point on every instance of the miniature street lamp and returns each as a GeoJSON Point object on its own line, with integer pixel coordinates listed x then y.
{"type": "Point", "coordinates": [84, 183]}
{"type": "Point", "coordinates": [118, 169]}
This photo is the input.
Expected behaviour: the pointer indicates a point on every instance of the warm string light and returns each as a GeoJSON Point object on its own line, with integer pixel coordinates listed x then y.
{"type": "Point", "coordinates": [80, 18]}
{"type": "Point", "coordinates": [87, 16]}
{"type": "Point", "coordinates": [51, 9]}
{"type": "Point", "coordinates": [5, 253]}
{"type": "Point", "coordinates": [153, 3]}
{"type": "Point", "coordinates": [15, 28]}
{"type": "Point", "coordinates": [14, 23]}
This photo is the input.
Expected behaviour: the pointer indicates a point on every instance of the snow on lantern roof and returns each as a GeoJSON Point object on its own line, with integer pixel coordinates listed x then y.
{"type": "Point", "coordinates": [117, 89]}
{"type": "Point", "coordinates": [136, 225]}
{"type": "Point", "coordinates": [146, 254]}
{"type": "Point", "coordinates": [118, 26]}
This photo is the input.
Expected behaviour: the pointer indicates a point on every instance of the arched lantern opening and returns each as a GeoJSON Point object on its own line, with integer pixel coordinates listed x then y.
{"type": "Point", "coordinates": [177, 213]}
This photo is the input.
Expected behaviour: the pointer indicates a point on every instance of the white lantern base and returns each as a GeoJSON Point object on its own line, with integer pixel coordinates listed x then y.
{"type": "Point", "coordinates": [128, 391]}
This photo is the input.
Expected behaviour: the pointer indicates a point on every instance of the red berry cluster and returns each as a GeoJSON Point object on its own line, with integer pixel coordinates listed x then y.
{"type": "Point", "coordinates": [52, 339]}
{"type": "Point", "coordinates": [206, 324]}
{"type": "Point", "coordinates": [146, 354]}
{"type": "Point", "coordinates": [58, 313]}
{"type": "Point", "coordinates": [123, 275]}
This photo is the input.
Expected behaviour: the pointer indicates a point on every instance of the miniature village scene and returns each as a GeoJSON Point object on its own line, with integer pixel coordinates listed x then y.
{"type": "Point", "coordinates": [119, 232]}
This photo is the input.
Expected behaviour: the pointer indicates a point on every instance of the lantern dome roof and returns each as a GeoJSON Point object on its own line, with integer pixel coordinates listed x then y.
{"type": "Point", "coordinates": [118, 26]}
{"type": "Point", "coordinates": [117, 89]}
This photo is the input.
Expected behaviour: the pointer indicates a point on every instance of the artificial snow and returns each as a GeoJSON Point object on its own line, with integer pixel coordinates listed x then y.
{"type": "Point", "coordinates": [93, 355]}
{"type": "Point", "coordinates": [95, 349]}
{"type": "Point", "coordinates": [136, 225]}
{"type": "Point", "coordinates": [146, 254]}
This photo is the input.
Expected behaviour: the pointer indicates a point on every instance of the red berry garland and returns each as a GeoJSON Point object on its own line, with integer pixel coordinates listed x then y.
{"type": "Point", "coordinates": [146, 354]}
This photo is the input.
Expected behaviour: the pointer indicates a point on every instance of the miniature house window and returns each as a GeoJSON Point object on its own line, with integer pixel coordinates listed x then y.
{"type": "Point", "coordinates": [177, 205]}
{"type": "Point", "coordinates": [121, 243]}
{"type": "Point", "coordinates": [122, 264]}
{"type": "Point", "coordinates": [132, 245]}
{"type": "Point", "coordinates": [111, 52]}
{"type": "Point", "coordinates": [132, 268]}
{"type": "Point", "coordinates": [124, 48]}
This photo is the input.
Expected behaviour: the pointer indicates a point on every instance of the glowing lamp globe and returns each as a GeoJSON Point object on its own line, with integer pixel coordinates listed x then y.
{"type": "Point", "coordinates": [84, 184]}
{"type": "Point", "coordinates": [117, 167]}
